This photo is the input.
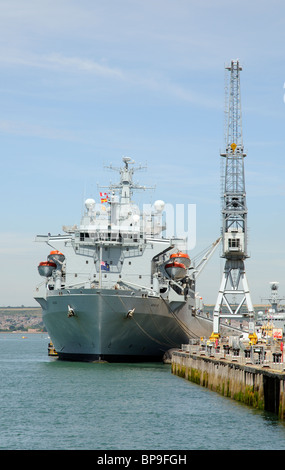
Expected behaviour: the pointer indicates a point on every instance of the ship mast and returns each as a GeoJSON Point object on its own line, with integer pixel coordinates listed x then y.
{"type": "Point", "coordinates": [126, 184]}
{"type": "Point", "coordinates": [274, 299]}
{"type": "Point", "coordinates": [234, 292]}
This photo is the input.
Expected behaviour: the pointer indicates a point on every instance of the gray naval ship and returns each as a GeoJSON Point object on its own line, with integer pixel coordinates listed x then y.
{"type": "Point", "coordinates": [114, 289]}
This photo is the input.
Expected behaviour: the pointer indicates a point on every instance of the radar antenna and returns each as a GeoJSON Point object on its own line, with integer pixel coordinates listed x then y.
{"type": "Point", "coordinates": [126, 184]}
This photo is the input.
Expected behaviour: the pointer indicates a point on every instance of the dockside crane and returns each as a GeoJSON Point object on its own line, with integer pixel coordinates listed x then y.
{"type": "Point", "coordinates": [234, 294]}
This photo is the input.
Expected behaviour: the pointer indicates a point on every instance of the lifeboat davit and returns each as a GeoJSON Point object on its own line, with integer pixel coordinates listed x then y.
{"type": "Point", "coordinates": [181, 258]}
{"type": "Point", "coordinates": [46, 268]}
{"type": "Point", "coordinates": [55, 256]}
{"type": "Point", "coordinates": [175, 270]}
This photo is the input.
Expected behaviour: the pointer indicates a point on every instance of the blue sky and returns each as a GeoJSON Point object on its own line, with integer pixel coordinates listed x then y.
{"type": "Point", "coordinates": [84, 83]}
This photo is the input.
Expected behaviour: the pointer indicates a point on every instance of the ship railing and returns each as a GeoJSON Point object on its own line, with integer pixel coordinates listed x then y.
{"type": "Point", "coordinates": [148, 290]}
{"type": "Point", "coordinates": [107, 236]}
{"type": "Point", "coordinates": [86, 285]}
{"type": "Point", "coordinates": [46, 238]}
{"type": "Point", "coordinates": [114, 237]}
{"type": "Point", "coordinates": [77, 284]}
{"type": "Point", "coordinates": [257, 355]}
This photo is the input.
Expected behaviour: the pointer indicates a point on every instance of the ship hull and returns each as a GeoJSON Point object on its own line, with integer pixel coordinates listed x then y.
{"type": "Point", "coordinates": [112, 326]}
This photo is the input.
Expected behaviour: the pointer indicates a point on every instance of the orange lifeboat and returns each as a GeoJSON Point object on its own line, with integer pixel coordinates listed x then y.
{"type": "Point", "coordinates": [181, 258]}
{"type": "Point", "coordinates": [55, 256]}
{"type": "Point", "coordinates": [175, 270]}
{"type": "Point", "coordinates": [46, 268]}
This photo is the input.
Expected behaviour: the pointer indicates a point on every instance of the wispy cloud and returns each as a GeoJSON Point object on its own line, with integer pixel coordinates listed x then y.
{"type": "Point", "coordinates": [141, 80]}
{"type": "Point", "coordinates": [60, 62]}
{"type": "Point", "coordinates": [25, 129]}
{"type": "Point", "coordinates": [81, 65]}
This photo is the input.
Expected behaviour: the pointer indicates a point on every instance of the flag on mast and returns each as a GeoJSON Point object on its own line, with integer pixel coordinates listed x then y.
{"type": "Point", "coordinates": [105, 266]}
{"type": "Point", "coordinates": [104, 197]}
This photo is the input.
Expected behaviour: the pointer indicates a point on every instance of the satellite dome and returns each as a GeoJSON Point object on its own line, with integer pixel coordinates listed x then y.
{"type": "Point", "coordinates": [136, 218]}
{"type": "Point", "coordinates": [89, 203]}
{"type": "Point", "coordinates": [159, 205]}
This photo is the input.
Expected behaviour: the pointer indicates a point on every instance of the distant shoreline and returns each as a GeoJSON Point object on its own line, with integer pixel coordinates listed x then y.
{"type": "Point", "coordinates": [19, 332]}
{"type": "Point", "coordinates": [22, 307]}
{"type": "Point", "coordinates": [22, 320]}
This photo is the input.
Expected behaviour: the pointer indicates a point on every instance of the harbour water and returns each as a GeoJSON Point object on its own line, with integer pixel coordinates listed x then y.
{"type": "Point", "coordinates": [51, 405]}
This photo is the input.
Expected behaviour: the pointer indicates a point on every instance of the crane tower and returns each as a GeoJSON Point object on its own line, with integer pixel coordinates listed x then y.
{"type": "Point", "coordinates": [234, 291]}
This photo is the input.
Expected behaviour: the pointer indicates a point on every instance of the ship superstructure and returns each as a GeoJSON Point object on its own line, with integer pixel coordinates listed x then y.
{"type": "Point", "coordinates": [274, 298]}
{"type": "Point", "coordinates": [114, 288]}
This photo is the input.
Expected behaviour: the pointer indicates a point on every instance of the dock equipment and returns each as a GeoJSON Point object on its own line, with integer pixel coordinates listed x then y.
{"type": "Point", "coordinates": [234, 294]}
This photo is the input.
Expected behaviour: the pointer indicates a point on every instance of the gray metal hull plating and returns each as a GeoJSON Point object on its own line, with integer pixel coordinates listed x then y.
{"type": "Point", "coordinates": [96, 325]}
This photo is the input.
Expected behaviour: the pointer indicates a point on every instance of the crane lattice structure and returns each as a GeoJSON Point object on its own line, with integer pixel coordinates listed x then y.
{"type": "Point", "coordinates": [234, 292]}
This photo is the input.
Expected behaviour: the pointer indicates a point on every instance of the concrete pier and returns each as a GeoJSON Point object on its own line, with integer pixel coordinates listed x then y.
{"type": "Point", "coordinates": [247, 378]}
